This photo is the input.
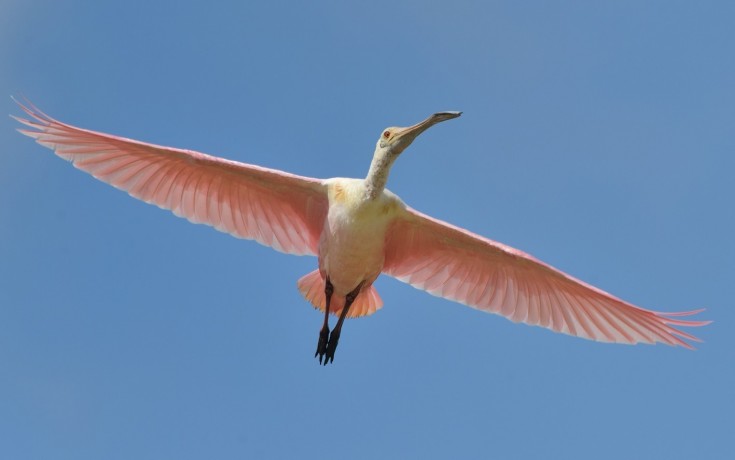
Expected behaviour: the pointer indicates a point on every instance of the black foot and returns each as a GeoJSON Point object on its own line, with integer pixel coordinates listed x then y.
{"type": "Point", "coordinates": [331, 347]}
{"type": "Point", "coordinates": [321, 348]}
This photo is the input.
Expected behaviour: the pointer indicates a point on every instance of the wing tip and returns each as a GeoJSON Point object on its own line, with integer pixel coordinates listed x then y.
{"type": "Point", "coordinates": [31, 109]}
{"type": "Point", "coordinates": [671, 318]}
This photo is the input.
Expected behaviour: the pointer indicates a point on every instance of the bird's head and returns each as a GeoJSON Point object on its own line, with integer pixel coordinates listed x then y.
{"type": "Point", "coordinates": [393, 140]}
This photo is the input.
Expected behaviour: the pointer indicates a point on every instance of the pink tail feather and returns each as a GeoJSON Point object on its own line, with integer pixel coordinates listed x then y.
{"type": "Point", "coordinates": [311, 287]}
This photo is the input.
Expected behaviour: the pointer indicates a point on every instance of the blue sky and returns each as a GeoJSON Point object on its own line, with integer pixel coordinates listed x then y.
{"type": "Point", "coordinates": [598, 136]}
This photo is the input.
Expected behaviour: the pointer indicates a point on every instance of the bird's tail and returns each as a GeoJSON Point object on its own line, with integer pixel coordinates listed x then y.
{"type": "Point", "coordinates": [311, 287]}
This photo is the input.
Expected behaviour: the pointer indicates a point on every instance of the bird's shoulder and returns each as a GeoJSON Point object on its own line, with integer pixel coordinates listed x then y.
{"type": "Point", "coordinates": [350, 193]}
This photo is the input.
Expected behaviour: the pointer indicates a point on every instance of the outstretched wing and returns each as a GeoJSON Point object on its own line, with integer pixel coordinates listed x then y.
{"type": "Point", "coordinates": [275, 208]}
{"type": "Point", "coordinates": [456, 264]}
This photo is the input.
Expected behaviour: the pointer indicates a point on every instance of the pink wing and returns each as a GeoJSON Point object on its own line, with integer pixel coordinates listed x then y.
{"type": "Point", "coordinates": [458, 265]}
{"type": "Point", "coordinates": [275, 208]}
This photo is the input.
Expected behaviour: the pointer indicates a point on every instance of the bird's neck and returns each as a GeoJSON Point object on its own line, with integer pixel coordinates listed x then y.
{"type": "Point", "coordinates": [377, 176]}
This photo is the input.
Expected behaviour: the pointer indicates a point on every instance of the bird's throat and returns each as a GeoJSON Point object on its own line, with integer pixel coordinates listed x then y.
{"type": "Point", "coordinates": [378, 173]}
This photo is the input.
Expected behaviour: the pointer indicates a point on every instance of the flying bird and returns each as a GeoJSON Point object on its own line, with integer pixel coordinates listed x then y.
{"type": "Point", "coordinates": [358, 229]}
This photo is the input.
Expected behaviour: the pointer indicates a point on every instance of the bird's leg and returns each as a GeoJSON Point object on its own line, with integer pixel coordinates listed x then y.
{"type": "Point", "coordinates": [334, 336]}
{"type": "Point", "coordinates": [321, 347]}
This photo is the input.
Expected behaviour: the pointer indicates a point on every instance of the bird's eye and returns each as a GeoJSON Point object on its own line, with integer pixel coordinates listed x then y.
{"type": "Point", "coordinates": [386, 134]}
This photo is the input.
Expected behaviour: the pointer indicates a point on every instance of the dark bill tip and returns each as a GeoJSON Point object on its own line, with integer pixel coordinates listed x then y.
{"type": "Point", "coordinates": [443, 116]}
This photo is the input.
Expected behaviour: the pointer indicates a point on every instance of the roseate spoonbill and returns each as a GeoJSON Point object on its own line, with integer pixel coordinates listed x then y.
{"type": "Point", "coordinates": [358, 229]}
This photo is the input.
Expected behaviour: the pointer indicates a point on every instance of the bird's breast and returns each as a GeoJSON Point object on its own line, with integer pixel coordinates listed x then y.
{"type": "Point", "coordinates": [351, 249]}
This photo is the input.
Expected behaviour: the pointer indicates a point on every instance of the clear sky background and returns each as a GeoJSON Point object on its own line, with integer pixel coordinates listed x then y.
{"type": "Point", "coordinates": [598, 136]}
